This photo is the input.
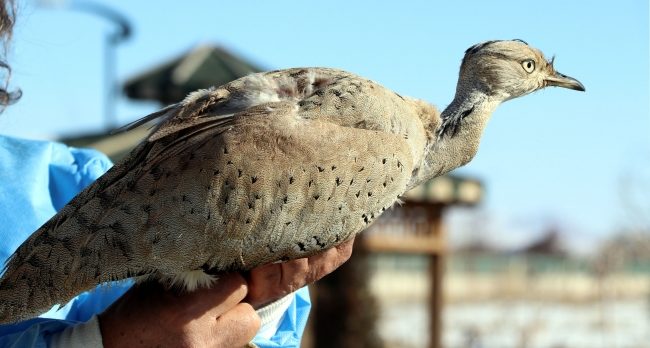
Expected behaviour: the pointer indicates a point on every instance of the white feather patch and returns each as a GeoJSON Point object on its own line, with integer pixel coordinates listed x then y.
{"type": "Point", "coordinates": [193, 280]}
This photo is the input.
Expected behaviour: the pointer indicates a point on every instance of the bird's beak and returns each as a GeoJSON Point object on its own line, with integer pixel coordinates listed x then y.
{"type": "Point", "coordinates": [561, 80]}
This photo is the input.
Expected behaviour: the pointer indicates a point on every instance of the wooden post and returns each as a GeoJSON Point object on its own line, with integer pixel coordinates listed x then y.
{"type": "Point", "coordinates": [436, 269]}
{"type": "Point", "coordinates": [345, 310]}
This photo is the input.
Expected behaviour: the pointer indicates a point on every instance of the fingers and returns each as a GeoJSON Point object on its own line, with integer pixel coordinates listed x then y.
{"type": "Point", "coordinates": [229, 290]}
{"type": "Point", "coordinates": [345, 249]}
{"type": "Point", "coordinates": [265, 285]}
{"type": "Point", "coordinates": [271, 282]}
{"type": "Point", "coordinates": [295, 274]}
{"type": "Point", "coordinates": [237, 327]}
{"type": "Point", "coordinates": [326, 262]}
{"type": "Point", "coordinates": [268, 275]}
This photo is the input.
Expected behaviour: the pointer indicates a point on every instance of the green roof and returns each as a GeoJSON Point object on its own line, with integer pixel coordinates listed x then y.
{"type": "Point", "coordinates": [201, 67]}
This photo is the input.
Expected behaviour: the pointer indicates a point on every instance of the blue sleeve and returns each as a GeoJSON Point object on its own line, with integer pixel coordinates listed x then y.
{"type": "Point", "coordinates": [38, 178]}
{"type": "Point", "coordinates": [292, 325]}
{"type": "Point", "coordinates": [31, 333]}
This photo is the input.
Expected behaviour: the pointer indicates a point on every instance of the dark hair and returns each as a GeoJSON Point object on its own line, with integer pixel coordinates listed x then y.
{"type": "Point", "coordinates": [7, 20]}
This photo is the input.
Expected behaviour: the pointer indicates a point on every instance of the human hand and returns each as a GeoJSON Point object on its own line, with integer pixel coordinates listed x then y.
{"type": "Point", "coordinates": [149, 315]}
{"type": "Point", "coordinates": [273, 281]}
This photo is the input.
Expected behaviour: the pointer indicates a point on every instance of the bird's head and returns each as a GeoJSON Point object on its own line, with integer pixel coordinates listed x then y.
{"type": "Point", "coordinates": [508, 69]}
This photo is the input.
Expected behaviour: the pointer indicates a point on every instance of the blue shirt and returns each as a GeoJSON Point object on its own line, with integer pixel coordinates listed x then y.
{"type": "Point", "coordinates": [37, 178]}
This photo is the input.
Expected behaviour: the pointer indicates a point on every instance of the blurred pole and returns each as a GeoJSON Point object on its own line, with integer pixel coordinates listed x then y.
{"type": "Point", "coordinates": [436, 274]}
{"type": "Point", "coordinates": [121, 34]}
{"type": "Point", "coordinates": [345, 311]}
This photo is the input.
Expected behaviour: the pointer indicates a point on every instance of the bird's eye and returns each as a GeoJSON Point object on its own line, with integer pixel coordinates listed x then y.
{"type": "Point", "coordinates": [529, 65]}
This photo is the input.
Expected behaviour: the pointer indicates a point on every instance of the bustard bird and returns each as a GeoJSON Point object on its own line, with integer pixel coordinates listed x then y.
{"type": "Point", "coordinates": [272, 166]}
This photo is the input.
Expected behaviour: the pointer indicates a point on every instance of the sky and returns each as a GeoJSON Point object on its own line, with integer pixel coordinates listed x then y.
{"type": "Point", "coordinates": [557, 158]}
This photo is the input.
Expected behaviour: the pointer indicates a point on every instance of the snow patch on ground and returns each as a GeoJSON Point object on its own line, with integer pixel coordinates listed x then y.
{"type": "Point", "coordinates": [530, 324]}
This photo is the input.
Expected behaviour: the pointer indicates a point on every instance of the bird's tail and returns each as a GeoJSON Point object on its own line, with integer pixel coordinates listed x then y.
{"type": "Point", "coordinates": [74, 251]}
{"type": "Point", "coordinates": [35, 278]}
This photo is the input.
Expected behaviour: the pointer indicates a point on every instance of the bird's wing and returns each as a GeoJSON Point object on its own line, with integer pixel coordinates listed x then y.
{"type": "Point", "coordinates": [270, 185]}
{"type": "Point", "coordinates": [216, 103]}
{"type": "Point", "coordinates": [200, 107]}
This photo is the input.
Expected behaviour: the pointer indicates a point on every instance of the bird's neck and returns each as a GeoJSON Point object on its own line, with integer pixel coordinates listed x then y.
{"type": "Point", "coordinates": [457, 138]}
